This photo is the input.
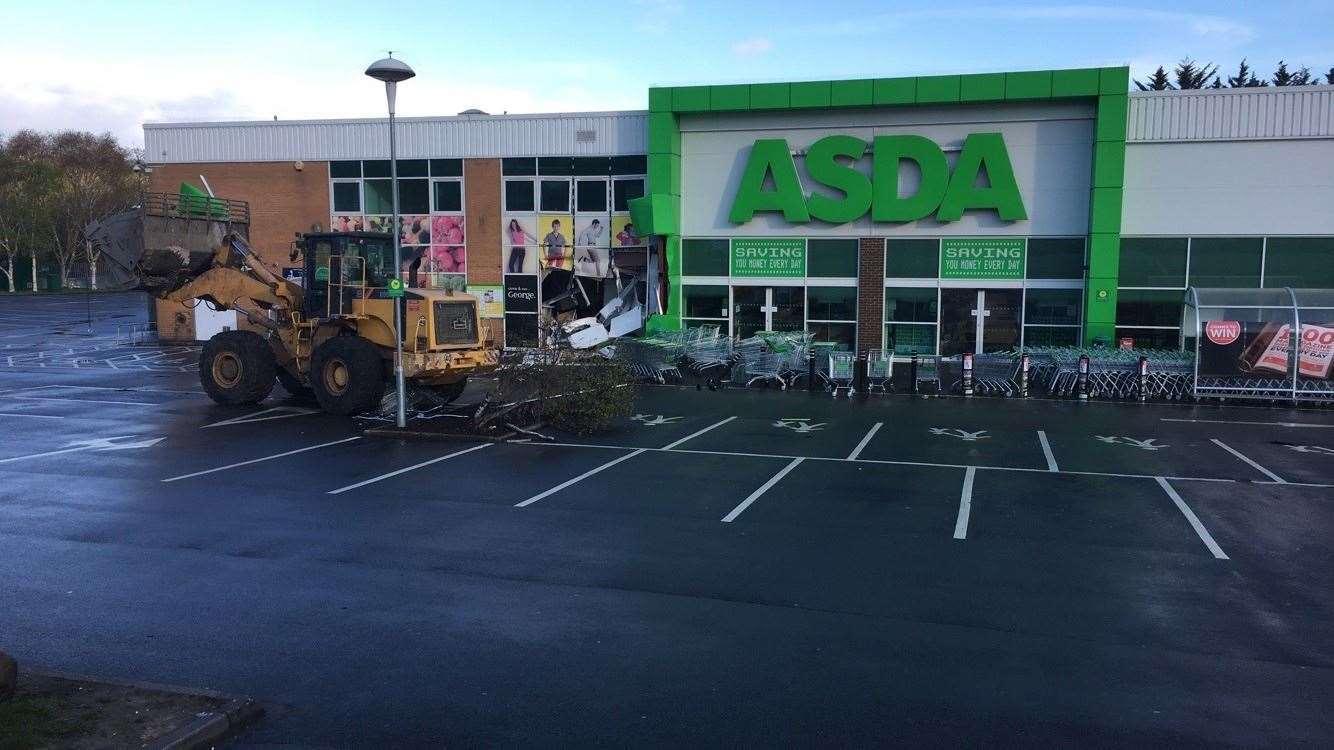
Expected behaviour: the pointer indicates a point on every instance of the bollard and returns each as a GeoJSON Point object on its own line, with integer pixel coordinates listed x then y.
{"type": "Point", "coordinates": [967, 378]}
{"type": "Point", "coordinates": [858, 374]}
{"type": "Point", "coordinates": [810, 370]}
{"type": "Point", "coordinates": [1023, 376]}
{"type": "Point", "coordinates": [1142, 386]}
{"type": "Point", "coordinates": [1083, 377]}
{"type": "Point", "coordinates": [912, 373]}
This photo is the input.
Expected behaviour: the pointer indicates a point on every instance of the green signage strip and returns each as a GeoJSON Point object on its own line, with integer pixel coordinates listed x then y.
{"type": "Point", "coordinates": [982, 258]}
{"type": "Point", "coordinates": [777, 256]}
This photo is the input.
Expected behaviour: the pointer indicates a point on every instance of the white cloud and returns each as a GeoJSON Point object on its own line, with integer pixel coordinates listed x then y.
{"type": "Point", "coordinates": [753, 47]}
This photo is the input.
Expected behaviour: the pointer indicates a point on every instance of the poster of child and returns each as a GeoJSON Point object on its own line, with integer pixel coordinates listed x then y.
{"type": "Point", "coordinates": [449, 259]}
{"type": "Point", "coordinates": [447, 230]}
{"type": "Point", "coordinates": [521, 244]}
{"type": "Point", "coordinates": [556, 232]}
{"type": "Point", "coordinates": [624, 233]}
{"type": "Point", "coordinates": [416, 230]}
{"type": "Point", "coordinates": [348, 224]}
{"type": "Point", "coordinates": [591, 247]}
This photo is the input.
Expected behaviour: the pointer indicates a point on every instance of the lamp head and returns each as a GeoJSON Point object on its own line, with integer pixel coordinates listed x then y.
{"type": "Point", "coordinates": [390, 70]}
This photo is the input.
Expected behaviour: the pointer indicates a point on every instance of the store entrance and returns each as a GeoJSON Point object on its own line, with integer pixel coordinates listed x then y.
{"type": "Point", "coordinates": [979, 320]}
{"type": "Point", "coordinates": [767, 308]}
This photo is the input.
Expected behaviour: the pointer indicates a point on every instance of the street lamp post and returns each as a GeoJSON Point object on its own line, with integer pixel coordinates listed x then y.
{"type": "Point", "coordinates": [392, 71]}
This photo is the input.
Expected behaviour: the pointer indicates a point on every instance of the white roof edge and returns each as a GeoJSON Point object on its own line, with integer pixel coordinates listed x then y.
{"type": "Point", "coordinates": [372, 120]}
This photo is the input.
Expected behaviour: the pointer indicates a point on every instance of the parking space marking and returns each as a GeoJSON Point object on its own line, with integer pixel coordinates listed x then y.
{"type": "Point", "coordinates": [29, 416]}
{"type": "Point", "coordinates": [276, 412]}
{"type": "Point", "coordinates": [261, 459]}
{"type": "Point", "coordinates": [1046, 451]}
{"type": "Point", "coordinates": [406, 469]}
{"type": "Point", "coordinates": [693, 435]}
{"type": "Point", "coordinates": [965, 504]}
{"type": "Point", "coordinates": [1229, 421]}
{"type": "Point", "coordinates": [1200, 531]}
{"type": "Point", "coordinates": [1252, 464]}
{"type": "Point", "coordinates": [738, 510]}
{"type": "Point", "coordinates": [580, 478]}
{"type": "Point", "coordinates": [858, 450]}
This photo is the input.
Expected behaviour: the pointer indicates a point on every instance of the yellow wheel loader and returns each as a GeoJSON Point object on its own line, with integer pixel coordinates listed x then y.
{"type": "Point", "coordinates": [329, 335]}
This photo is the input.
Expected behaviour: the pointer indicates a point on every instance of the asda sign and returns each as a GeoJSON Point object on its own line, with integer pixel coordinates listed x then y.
{"type": "Point", "coordinates": [982, 180]}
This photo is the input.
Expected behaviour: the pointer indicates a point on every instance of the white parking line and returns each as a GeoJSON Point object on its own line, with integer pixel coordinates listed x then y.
{"type": "Point", "coordinates": [1200, 531]}
{"type": "Point", "coordinates": [672, 445]}
{"type": "Point", "coordinates": [406, 469]}
{"type": "Point", "coordinates": [1253, 464]}
{"type": "Point", "coordinates": [29, 416]}
{"type": "Point", "coordinates": [1046, 451]}
{"type": "Point", "coordinates": [262, 459]}
{"type": "Point", "coordinates": [580, 478]}
{"type": "Point", "coordinates": [858, 450]}
{"type": "Point", "coordinates": [738, 510]}
{"type": "Point", "coordinates": [965, 504]}
{"type": "Point", "coordinates": [1229, 421]}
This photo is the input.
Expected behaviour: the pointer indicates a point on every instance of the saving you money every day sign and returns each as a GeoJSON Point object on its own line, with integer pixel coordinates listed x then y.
{"type": "Point", "coordinates": [982, 258]}
{"type": "Point", "coordinates": [775, 256]}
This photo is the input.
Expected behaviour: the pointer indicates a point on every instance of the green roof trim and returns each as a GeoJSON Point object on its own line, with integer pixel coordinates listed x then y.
{"type": "Point", "coordinates": [938, 90]}
{"type": "Point", "coordinates": [859, 93]}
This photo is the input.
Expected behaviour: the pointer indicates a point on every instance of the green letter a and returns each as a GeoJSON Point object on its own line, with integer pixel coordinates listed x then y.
{"type": "Point", "coordinates": [983, 151]}
{"type": "Point", "coordinates": [769, 156]}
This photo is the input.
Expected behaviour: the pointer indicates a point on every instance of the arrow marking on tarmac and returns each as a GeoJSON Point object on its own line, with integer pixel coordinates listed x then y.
{"type": "Point", "coordinates": [799, 425]}
{"type": "Point", "coordinates": [961, 434]}
{"type": "Point", "coordinates": [95, 444]}
{"type": "Point", "coordinates": [1145, 444]}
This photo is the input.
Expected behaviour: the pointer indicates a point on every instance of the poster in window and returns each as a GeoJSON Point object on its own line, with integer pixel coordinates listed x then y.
{"type": "Point", "coordinates": [556, 238]}
{"type": "Point", "coordinates": [1255, 350]}
{"type": "Point", "coordinates": [447, 230]}
{"type": "Point", "coordinates": [520, 293]}
{"type": "Point", "coordinates": [624, 233]}
{"type": "Point", "coordinates": [449, 259]}
{"type": "Point", "coordinates": [521, 244]}
{"type": "Point", "coordinates": [490, 300]}
{"type": "Point", "coordinates": [348, 223]}
{"type": "Point", "coordinates": [592, 247]}
{"type": "Point", "coordinates": [377, 224]}
{"type": "Point", "coordinates": [416, 230]}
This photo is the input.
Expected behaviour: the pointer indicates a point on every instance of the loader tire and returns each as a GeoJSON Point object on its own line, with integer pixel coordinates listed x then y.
{"type": "Point", "coordinates": [295, 388]}
{"type": "Point", "coordinates": [237, 367]}
{"type": "Point", "coordinates": [452, 391]}
{"type": "Point", "coordinates": [347, 375]}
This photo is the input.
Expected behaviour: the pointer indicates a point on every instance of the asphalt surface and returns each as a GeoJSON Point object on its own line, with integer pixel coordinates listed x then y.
{"type": "Point", "coordinates": [715, 572]}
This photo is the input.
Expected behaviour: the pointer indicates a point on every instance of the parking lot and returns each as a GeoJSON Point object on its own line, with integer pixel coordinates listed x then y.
{"type": "Point", "coordinates": [741, 567]}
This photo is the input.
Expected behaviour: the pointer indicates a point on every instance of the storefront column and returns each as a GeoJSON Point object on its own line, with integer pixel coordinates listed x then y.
{"type": "Point", "coordinates": [870, 293]}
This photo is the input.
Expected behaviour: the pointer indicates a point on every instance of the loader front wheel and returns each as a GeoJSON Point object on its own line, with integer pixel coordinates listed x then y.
{"type": "Point", "coordinates": [347, 375]}
{"type": "Point", "coordinates": [237, 367]}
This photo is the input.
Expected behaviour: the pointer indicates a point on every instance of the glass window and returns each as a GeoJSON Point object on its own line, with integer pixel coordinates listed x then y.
{"type": "Point", "coordinates": [591, 165]}
{"type": "Point", "coordinates": [1225, 261]}
{"type": "Point", "coordinates": [377, 168]}
{"type": "Point", "coordinates": [520, 330]}
{"type": "Point", "coordinates": [842, 335]}
{"type": "Point", "coordinates": [519, 195]}
{"type": "Point", "coordinates": [449, 195]}
{"type": "Point", "coordinates": [414, 196]}
{"type": "Point", "coordinates": [629, 164]}
{"type": "Point", "coordinates": [705, 301]}
{"type": "Point", "coordinates": [1149, 307]}
{"type": "Point", "coordinates": [912, 259]}
{"type": "Point", "coordinates": [1050, 336]}
{"type": "Point", "coordinates": [379, 199]}
{"type": "Point", "coordinates": [831, 258]}
{"type": "Point", "coordinates": [1300, 262]}
{"type": "Point", "coordinates": [556, 196]}
{"type": "Point", "coordinates": [347, 197]}
{"type": "Point", "coordinates": [831, 303]}
{"type": "Point", "coordinates": [555, 165]}
{"type": "Point", "coordinates": [518, 166]}
{"type": "Point", "coordinates": [1151, 338]}
{"type": "Point", "coordinates": [1061, 258]}
{"type": "Point", "coordinates": [590, 196]}
{"type": "Point", "coordinates": [910, 304]}
{"type": "Point", "coordinates": [412, 168]}
{"type": "Point", "coordinates": [910, 338]}
{"type": "Point", "coordinates": [446, 167]}
{"type": "Point", "coordinates": [625, 191]}
{"type": "Point", "coordinates": [704, 258]}
{"type": "Point", "coordinates": [1153, 261]}
{"type": "Point", "coordinates": [344, 169]}
{"type": "Point", "coordinates": [1052, 306]}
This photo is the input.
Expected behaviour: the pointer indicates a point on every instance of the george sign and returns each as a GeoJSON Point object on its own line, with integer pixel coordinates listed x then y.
{"type": "Point", "coordinates": [520, 293]}
{"type": "Point", "coordinates": [490, 300]}
{"type": "Point", "coordinates": [395, 288]}
{"type": "Point", "coordinates": [982, 258]}
{"type": "Point", "coordinates": [771, 256]}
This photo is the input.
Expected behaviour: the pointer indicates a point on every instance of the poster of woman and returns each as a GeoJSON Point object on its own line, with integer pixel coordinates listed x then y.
{"type": "Point", "coordinates": [556, 233]}
{"type": "Point", "coordinates": [521, 244]}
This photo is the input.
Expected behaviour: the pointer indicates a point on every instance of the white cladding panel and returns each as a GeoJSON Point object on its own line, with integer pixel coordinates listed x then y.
{"type": "Point", "coordinates": [1050, 146]}
{"type": "Point", "coordinates": [1271, 187]}
{"type": "Point", "coordinates": [1231, 114]}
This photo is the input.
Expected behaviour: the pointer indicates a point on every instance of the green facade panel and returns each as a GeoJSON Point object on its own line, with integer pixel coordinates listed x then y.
{"type": "Point", "coordinates": [735, 97]}
{"type": "Point", "coordinates": [1081, 82]}
{"type": "Point", "coordinates": [1111, 121]}
{"type": "Point", "coordinates": [1028, 85]}
{"type": "Point", "coordinates": [691, 99]}
{"type": "Point", "coordinates": [982, 87]}
{"type": "Point", "coordinates": [1109, 164]}
{"type": "Point", "coordinates": [664, 133]}
{"type": "Point", "coordinates": [660, 99]}
{"type": "Point", "coordinates": [770, 96]}
{"type": "Point", "coordinates": [1114, 81]}
{"type": "Point", "coordinates": [937, 89]}
{"type": "Point", "coordinates": [894, 91]}
{"type": "Point", "coordinates": [664, 173]}
{"type": "Point", "coordinates": [807, 94]}
{"type": "Point", "coordinates": [852, 93]}
{"type": "Point", "coordinates": [1104, 255]}
{"type": "Point", "coordinates": [1105, 210]}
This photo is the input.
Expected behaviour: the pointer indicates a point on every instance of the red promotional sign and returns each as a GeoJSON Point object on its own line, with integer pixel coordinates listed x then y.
{"type": "Point", "coordinates": [1222, 332]}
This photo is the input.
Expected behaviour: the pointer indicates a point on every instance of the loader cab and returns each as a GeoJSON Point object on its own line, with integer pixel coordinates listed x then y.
{"type": "Point", "coordinates": [342, 266]}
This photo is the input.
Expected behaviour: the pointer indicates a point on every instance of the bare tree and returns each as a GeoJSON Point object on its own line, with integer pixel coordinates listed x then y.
{"type": "Point", "coordinates": [26, 185]}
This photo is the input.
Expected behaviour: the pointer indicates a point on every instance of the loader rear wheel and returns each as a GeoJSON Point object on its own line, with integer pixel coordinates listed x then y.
{"type": "Point", "coordinates": [237, 367]}
{"type": "Point", "coordinates": [347, 375]}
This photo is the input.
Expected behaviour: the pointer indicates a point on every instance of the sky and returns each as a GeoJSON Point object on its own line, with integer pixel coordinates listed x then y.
{"type": "Point", "coordinates": [110, 66]}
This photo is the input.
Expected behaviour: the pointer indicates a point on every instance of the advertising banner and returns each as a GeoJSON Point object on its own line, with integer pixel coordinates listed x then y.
{"type": "Point", "coordinates": [490, 300]}
{"type": "Point", "coordinates": [520, 293]}
{"type": "Point", "coordinates": [982, 258]}
{"type": "Point", "coordinates": [1231, 348]}
{"type": "Point", "coordinates": [779, 256]}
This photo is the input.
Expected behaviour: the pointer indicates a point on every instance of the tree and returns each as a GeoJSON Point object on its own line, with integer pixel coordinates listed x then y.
{"type": "Point", "coordinates": [26, 188]}
{"type": "Point", "coordinates": [1329, 77]}
{"type": "Point", "coordinates": [1191, 76]}
{"type": "Point", "coordinates": [1245, 78]}
{"type": "Point", "coordinates": [1303, 77]}
{"type": "Point", "coordinates": [1281, 76]}
{"type": "Point", "coordinates": [1157, 82]}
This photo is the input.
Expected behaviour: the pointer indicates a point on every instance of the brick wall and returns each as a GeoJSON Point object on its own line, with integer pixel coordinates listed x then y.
{"type": "Point", "coordinates": [482, 230]}
{"type": "Point", "coordinates": [282, 199]}
{"type": "Point", "coordinates": [870, 293]}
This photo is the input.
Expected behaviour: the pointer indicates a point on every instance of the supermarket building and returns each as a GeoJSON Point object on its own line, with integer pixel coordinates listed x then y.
{"type": "Point", "coordinates": [930, 214]}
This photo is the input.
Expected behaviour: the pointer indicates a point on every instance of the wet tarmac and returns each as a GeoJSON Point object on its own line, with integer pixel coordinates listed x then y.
{"type": "Point", "coordinates": [741, 567]}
